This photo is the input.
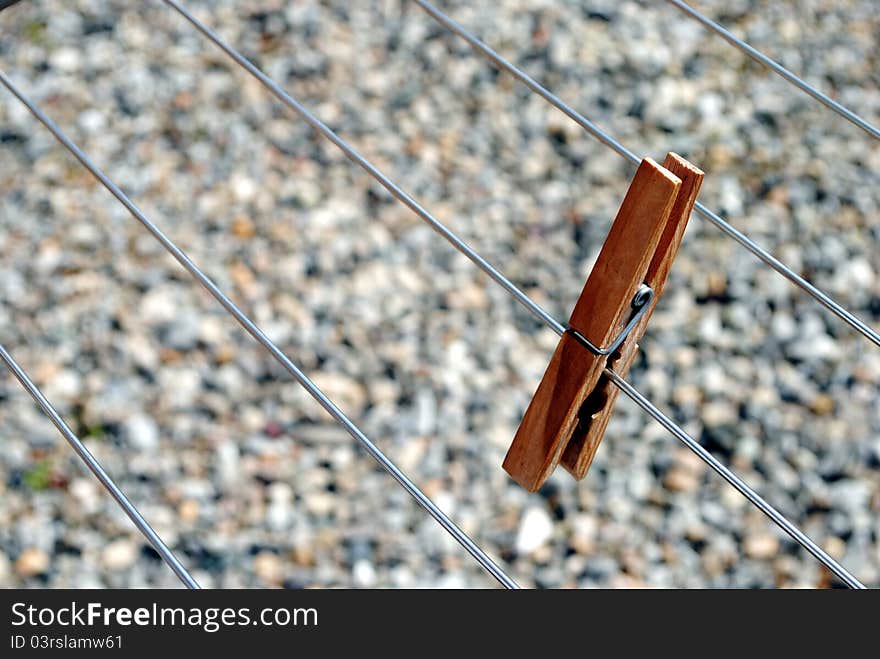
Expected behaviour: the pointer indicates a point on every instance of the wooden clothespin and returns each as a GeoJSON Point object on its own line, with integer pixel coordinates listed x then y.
{"type": "Point", "coordinates": [570, 409]}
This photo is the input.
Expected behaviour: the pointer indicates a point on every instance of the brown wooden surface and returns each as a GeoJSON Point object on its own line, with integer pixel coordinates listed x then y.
{"type": "Point", "coordinates": [597, 410]}
{"type": "Point", "coordinates": [601, 310]}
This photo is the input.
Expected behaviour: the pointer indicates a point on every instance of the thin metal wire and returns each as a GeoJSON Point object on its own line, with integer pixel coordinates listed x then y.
{"type": "Point", "coordinates": [824, 299]}
{"type": "Point", "coordinates": [777, 517]}
{"type": "Point", "coordinates": [527, 302]}
{"type": "Point", "coordinates": [460, 536]}
{"type": "Point", "coordinates": [551, 322]}
{"type": "Point", "coordinates": [640, 303]}
{"type": "Point", "coordinates": [95, 467]}
{"type": "Point", "coordinates": [775, 66]}
{"type": "Point", "coordinates": [365, 164]}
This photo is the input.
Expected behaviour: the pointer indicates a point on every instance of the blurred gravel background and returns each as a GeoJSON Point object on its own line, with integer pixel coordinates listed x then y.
{"type": "Point", "coordinates": [245, 476]}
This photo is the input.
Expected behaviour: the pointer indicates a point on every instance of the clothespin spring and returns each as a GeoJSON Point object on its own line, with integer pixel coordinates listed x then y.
{"type": "Point", "coordinates": [640, 303]}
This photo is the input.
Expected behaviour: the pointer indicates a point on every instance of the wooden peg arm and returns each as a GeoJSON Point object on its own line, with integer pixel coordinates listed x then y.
{"type": "Point", "coordinates": [597, 410]}
{"type": "Point", "coordinates": [601, 311]}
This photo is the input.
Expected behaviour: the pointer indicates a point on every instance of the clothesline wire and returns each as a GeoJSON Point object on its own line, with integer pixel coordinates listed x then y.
{"type": "Point", "coordinates": [605, 138]}
{"type": "Point", "coordinates": [775, 66]}
{"type": "Point", "coordinates": [740, 485]}
{"type": "Point", "coordinates": [366, 165]}
{"type": "Point", "coordinates": [460, 536]}
{"type": "Point", "coordinates": [551, 322]}
{"type": "Point", "coordinates": [95, 467]}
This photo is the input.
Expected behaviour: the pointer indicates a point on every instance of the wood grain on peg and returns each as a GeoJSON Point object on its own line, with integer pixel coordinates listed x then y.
{"type": "Point", "coordinates": [597, 409]}
{"type": "Point", "coordinates": [599, 314]}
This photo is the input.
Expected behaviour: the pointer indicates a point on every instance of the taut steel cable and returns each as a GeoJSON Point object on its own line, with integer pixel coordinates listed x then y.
{"type": "Point", "coordinates": [605, 138]}
{"type": "Point", "coordinates": [551, 322]}
{"type": "Point", "coordinates": [460, 245]}
{"type": "Point", "coordinates": [775, 66]}
{"type": "Point", "coordinates": [95, 467]}
{"type": "Point", "coordinates": [367, 166]}
{"type": "Point", "coordinates": [778, 518]}
{"type": "Point", "coordinates": [460, 536]}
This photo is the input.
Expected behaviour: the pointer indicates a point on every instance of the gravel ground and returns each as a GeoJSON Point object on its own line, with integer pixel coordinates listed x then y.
{"type": "Point", "coordinates": [245, 476]}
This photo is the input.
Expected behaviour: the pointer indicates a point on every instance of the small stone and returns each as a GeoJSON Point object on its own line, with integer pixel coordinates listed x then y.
{"type": "Point", "coordinates": [32, 562]}
{"type": "Point", "coordinates": [183, 332]}
{"type": "Point", "coordinates": [414, 450]}
{"type": "Point", "coordinates": [119, 555]}
{"type": "Point", "coordinates": [269, 568]}
{"type": "Point", "coordinates": [66, 59]}
{"type": "Point", "coordinates": [835, 547]}
{"type": "Point", "coordinates": [66, 384]}
{"type": "Point", "coordinates": [158, 306]}
{"type": "Point", "coordinates": [86, 494]}
{"type": "Point", "coordinates": [761, 545]}
{"type": "Point", "coordinates": [583, 536]}
{"type": "Point", "coordinates": [535, 529]}
{"type": "Point", "coordinates": [822, 405]}
{"type": "Point", "coordinates": [783, 326]}
{"type": "Point", "coordinates": [242, 227]}
{"type": "Point", "coordinates": [343, 390]}
{"type": "Point", "coordinates": [228, 463]}
{"type": "Point", "coordinates": [710, 328]}
{"type": "Point", "coordinates": [320, 504]}
{"type": "Point", "coordinates": [716, 284]}
{"type": "Point", "coordinates": [211, 330]}
{"type": "Point", "coordinates": [5, 571]}
{"type": "Point", "coordinates": [242, 276]}
{"type": "Point", "coordinates": [851, 495]}
{"type": "Point", "coordinates": [188, 510]}
{"type": "Point", "coordinates": [857, 274]}
{"type": "Point", "coordinates": [142, 432]}
{"type": "Point", "coordinates": [303, 555]}
{"type": "Point", "coordinates": [244, 188]}
{"type": "Point", "coordinates": [469, 297]}
{"type": "Point", "coordinates": [679, 479]}
{"type": "Point", "coordinates": [92, 121]}
{"type": "Point", "coordinates": [364, 574]}
{"type": "Point", "coordinates": [451, 581]}
{"type": "Point", "coordinates": [718, 413]}
{"type": "Point", "coordinates": [181, 386]}
{"type": "Point", "coordinates": [687, 395]}
{"type": "Point", "coordinates": [279, 512]}
{"type": "Point", "coordinates": [426, 412]}
{"type": "Point", "coordinates": [274, 429]}
{"type": "Point", "coordinates": [225, 354]}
